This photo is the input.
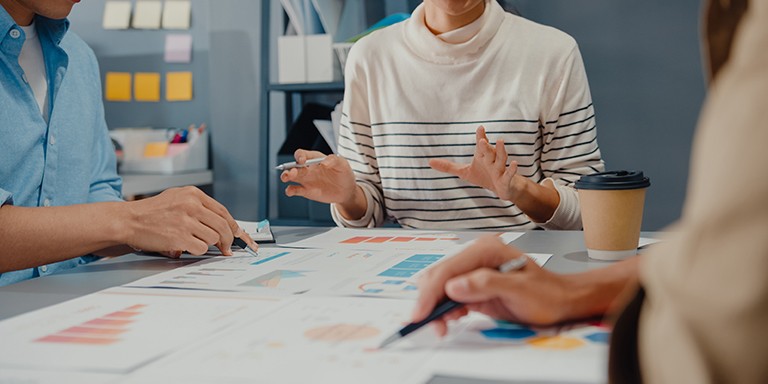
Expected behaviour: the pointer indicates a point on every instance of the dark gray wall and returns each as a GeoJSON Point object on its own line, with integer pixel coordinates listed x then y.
{"type": "Point", "coordinates": [643, 64]}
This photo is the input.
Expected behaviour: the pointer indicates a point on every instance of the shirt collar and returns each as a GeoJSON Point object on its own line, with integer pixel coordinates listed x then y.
{"type": "Point", "coordinates": [56, 29]}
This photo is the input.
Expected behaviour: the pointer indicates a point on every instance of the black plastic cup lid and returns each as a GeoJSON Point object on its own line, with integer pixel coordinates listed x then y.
{"type": "Point", "coordinates": [614, 180]}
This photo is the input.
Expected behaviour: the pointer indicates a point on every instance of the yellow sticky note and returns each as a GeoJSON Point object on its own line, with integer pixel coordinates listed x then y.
{"type": "Point", "coordinates": [146, 86]}
{"type": "Point", "coordinates": [117, 86]}
{"type": "Point", "coordinates": [156, 149]}
{"type": "Point", "coordinates": [178, 86]}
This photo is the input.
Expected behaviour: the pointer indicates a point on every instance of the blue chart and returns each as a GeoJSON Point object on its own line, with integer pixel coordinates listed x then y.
{"type": "Point", "coordinates": [388, 287]}
{"type": "Point", "coordinates": [264, 260]}
{"type": "Point", "coordinates": [411, 265]}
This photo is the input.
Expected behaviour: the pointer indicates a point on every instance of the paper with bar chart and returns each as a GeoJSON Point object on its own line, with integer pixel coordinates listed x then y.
{"type": "Point", "coordinates": [505, 351]}
{"type": "Point", "coordinates": [397, 280]}
{"type": "Point", "coordinates": [286, 271]}
{"type": "Point", "coordinates": [329, 340]}
{"type": "Point", "coordinates": [395, 239]}
{"type": "Point", "coordinates": [117, 330]}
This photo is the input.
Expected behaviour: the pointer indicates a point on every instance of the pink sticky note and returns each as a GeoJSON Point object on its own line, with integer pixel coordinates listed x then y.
{"type": "Point", "coordinates": [178, 48]}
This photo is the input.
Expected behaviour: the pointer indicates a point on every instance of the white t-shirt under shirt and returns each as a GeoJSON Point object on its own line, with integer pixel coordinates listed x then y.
{"type": "Point", "coordinates": [411, 97]}
{"type": "Point", "coordinates": [31, 61]}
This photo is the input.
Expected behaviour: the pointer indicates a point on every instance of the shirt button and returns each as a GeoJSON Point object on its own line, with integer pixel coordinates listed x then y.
{"type": "Point", "coordinates": [44, 268]}
{"type": "Point", "coordinates": [53, 140]}
{"type": "Point", "coordinates": [47, 202]}
{"type": "Point", "coordinates": [15, 33]}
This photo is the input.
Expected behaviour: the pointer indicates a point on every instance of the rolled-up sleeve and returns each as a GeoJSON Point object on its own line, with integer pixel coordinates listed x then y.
{"type": "Point", "coordinates": [6, 197]}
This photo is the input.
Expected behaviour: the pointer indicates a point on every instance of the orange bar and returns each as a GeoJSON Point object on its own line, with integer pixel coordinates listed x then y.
{"type": "Point", "coordinates": [76, 340]}
{"type": "Point", "coordinates": [403, 239]}
{"type": "Point", "coordinates": [450, 238]}
{"type": "Point", "coordinates": [355, 240]}
{"type": "Point", "coordinates": [94, 331]}
{"type": "Point", "coordinates": [378, 240]}
{"type": "Point", "coordinates": [123, 314]}
{"type": "Point", "coordinates": [135, 307]}
{"type": "Point", "coordinates": [108, 322]}
{"type": "Point", "coordinates": [425, 239]}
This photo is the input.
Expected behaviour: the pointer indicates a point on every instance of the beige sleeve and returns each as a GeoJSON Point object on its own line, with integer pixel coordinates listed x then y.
{"type": "Point", "coordinates": [705, 318]}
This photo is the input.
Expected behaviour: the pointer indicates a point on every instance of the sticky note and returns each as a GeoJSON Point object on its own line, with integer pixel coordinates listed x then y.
{"type": "Point", "coordinates": [156, 149]}
{"type": "Point", "coordinates": [147, 13]}
{"type": "Point", "coordinates": [178, 86]}
{"type": "Point", "coordinates": [178, 48]}
{"type": "Point", "coordinates": [146, 86]}
{"type": "Point", "coordinates": [117, 86]}
{"type": "Point", "coordinates": [176, 14]}
{"type": "Point", "coordinates": [117, 15]}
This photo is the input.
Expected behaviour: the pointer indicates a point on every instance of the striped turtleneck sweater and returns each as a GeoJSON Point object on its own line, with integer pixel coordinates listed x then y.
{"type": "Point", "coordinates": [412, 96]}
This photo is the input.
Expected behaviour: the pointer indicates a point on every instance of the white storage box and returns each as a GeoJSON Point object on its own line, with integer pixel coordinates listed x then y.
{"type": "Point", "coordinates": [194, 157]}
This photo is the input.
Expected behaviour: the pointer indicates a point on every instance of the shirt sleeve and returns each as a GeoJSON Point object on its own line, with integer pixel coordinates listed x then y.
{"type": "Point", "coordinates": [569, 148]}
{"type": "Point", "coordinates": [356, 145]}
{"type": "Point", "coordinates": [6, 197]}
{"type": "Point", "coordinates": [106, 185]}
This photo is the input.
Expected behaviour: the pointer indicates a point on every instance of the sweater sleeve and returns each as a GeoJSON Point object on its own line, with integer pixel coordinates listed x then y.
{"type": "Point", "coordinates": [569, 148]}
{"type": "Point", "coordinates": [356, 145]}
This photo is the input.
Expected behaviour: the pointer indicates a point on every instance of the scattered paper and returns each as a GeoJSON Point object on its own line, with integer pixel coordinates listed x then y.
{"type": "Point", "coordinates": [117, 86]}
{"type": "Point", "coordinates": [117, 15]}
{"type": "Point", "coordinates": [116, 331]}
{"type": "Point", "coordinates": [176, 14]}
{"type": "Point", "coordinates": [395, 239]}
{"type": "Point", "coordinates": [178, 48]}
{"type": "Point", "coordinates": [327, 131]}
{"type": "Point", "coordinates": [178, 86]}
{"type": "Point", "coordinates": [146, 86]}
{"type": "Point", "coordinates": [147, 13]}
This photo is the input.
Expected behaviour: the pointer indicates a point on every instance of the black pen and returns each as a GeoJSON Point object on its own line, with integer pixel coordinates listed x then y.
{"type": "Point", "coordinates": [448, 305]}
{"type": "Point", "coordinates": [242, 244]}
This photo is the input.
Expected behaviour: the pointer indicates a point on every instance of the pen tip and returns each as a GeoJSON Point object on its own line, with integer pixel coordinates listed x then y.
{"type": "Point", "coordinates": [389, 340]}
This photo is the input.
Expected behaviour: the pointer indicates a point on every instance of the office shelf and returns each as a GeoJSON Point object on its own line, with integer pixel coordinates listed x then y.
{"type": "Point", "coordinates": [337, 86]}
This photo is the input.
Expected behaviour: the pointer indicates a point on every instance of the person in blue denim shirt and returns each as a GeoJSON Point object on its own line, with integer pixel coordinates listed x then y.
{"type": "Point", "coordinates": [60, 195]}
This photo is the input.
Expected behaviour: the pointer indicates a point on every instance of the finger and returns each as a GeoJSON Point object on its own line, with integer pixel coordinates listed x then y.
{"type": "Point", "coordinates": [302, 155]}
{"type": "Point", "coordinates": [440, 327]}
{"type": "Point", "coordinates": [483, 285]}
{"type": "Point", "coordinates": [480, 134]}
{"type": "Point", "coordinates": [508, 175]}
{"type": "Point", "coordinates": [481, 149]}
{"type": "Point", "coordinates": [295, 190]}
{"type": "Point", "coordinates": [195, 246]}
{"type": "Point", "coordinates": [226, 234]}
{"type": "Point", "coordinates": [243, 235]}
{"type": "Point", "coordinates": [220, 225]}
{"type": "Point", "coordinates": [446, 166]}
{"type": "Point", "coordinates": [500, 162]}
{"type": "Point", "coordinates": [487, 252]}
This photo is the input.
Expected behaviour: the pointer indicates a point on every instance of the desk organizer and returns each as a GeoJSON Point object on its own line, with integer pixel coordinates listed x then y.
{"type": "Point", "coordinates": [192, 158]}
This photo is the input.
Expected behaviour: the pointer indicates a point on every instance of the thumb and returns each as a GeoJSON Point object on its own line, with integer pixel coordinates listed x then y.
{"type": "Point", "coordinates": [445, 166]}
{"type": "Point", "coordinates": [477, 286]}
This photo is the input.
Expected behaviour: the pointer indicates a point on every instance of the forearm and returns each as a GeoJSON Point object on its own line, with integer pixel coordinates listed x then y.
{"type": "Point", "coordinates": [537, 201]}
{"type": "Point", "coordinates": [35, 236]}
{"type": "Point", "coordinates": [595, 292]}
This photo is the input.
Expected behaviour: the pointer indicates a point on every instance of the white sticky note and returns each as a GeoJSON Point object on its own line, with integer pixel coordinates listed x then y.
{"type": "Point", "coordinates": [178, 48]}
{"type": "Point", "coordinates": [147, 13]}
{"type": "Point", "coordinates": [176, 14]}
{"type": "Point", "coordinates": [117, 15]}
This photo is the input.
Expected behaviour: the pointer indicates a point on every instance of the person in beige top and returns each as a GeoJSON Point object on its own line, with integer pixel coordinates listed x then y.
{"type": "Point", "coordinates": [699, 300]}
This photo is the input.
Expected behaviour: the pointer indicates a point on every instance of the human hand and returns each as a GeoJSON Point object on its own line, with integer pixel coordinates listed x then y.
{"type": "Point", "coordinates": [530, 295]}
{"type": "Point", "coordinates": [181, 219]}
{"type": "Point", "coordinates": [488, 168]}
{"type": "Point", "coordinates": [331, 181]}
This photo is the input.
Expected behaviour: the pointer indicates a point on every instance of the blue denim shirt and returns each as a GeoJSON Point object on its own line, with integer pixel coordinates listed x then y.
{"type": "Point", "coordinates": [69, 160]}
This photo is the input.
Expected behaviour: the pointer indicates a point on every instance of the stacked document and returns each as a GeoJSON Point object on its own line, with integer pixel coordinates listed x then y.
{"type": "Point", "coordinates": [312, 309]}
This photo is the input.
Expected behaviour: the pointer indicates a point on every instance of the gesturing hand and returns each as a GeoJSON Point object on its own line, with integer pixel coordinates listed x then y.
{"type": "Point", "coordinates": [488, 168]}
{"type": "Point", "coordinates": [331, 181]}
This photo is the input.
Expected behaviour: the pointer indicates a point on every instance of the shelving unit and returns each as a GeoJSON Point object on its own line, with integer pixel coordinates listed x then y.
{"type": "Point", "coordinates": [370, 11]}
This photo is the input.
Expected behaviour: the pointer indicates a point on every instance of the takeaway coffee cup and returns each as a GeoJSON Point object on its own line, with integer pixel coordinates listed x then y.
{"type": "Point", "coordinates": [612, 212]}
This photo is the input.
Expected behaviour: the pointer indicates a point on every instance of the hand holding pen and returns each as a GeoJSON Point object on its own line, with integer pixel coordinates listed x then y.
{"type": "Point", "coordinates": [473, 278]}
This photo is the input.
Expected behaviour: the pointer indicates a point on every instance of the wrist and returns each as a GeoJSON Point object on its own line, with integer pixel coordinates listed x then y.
{"type": "Point", "coordinates": [121, 226]}
{"type": "Point", "coordinates": [354, 208]}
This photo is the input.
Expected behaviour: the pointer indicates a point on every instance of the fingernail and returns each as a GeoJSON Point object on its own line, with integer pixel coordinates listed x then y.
{"type": "Point", "coordinates": [458, 286]}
